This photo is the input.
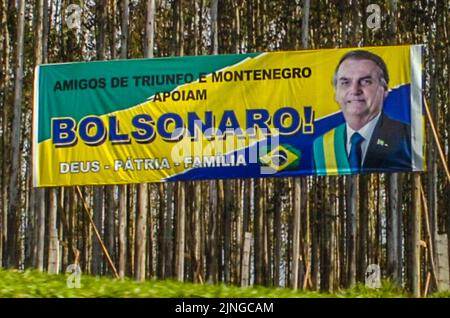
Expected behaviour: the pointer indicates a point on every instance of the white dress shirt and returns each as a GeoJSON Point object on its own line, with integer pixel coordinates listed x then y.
{"type": "Point", "coordinates": [366, 132]}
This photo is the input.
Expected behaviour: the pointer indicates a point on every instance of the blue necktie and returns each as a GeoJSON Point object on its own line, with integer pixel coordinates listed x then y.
{"type": "Point", "coordinates": [355, 152]}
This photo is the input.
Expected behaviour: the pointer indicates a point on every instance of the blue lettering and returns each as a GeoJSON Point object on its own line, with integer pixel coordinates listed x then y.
{"type": "Point", "coordinates": [92, 131]}
{"type": "Point", "coordinates": [283, 124]}
{"type": "Point", "coordinates": [164, 123]}
{"type": "Point", "coordinates": [114, 136]}
{"type": "Point", "coordinates": [63, 132]}
{"type": "Point", "coordinates": [145, 132]}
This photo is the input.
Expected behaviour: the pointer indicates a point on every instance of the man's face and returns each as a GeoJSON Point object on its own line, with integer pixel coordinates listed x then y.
{"type": "Point", "coordinates": [359, 90]}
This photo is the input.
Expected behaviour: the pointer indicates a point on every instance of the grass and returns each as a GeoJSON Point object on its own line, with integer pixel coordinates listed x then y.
{"type": "Point", "coordinates": [33, 284]}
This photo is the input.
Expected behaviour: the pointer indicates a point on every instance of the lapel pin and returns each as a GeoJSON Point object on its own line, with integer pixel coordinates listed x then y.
{"type": "Point", "coordinates": [381, 142]}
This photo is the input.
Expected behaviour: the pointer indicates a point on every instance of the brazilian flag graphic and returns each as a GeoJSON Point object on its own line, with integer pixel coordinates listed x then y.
{"type": "Point", "coordinates": [282, 157]}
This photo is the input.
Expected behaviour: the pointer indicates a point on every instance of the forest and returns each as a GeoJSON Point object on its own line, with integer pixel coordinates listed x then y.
{"type": "Point", "coordinates": [313, 233]}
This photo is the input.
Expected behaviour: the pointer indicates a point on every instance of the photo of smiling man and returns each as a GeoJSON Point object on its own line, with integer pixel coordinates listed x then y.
{"type": "Point", "coordinates": [369, 140]}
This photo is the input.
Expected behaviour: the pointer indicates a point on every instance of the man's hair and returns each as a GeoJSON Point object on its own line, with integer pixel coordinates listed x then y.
{"type": "Point", "coordinates": [365, 55]}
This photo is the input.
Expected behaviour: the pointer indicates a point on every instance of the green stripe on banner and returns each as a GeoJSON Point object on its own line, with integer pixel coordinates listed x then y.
{"type": "Point", "coordinates": [319, 157]}
{"type": "Point", "coordinates": [340, 151]}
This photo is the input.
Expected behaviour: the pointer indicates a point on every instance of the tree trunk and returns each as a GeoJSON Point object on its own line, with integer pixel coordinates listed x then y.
{"type": "Point", "coordinates": [197, 232]}
{"type": "Point", "coordinates": [213, 263]}
{"type": "Point", "coordinates": [122, 233]}
{"type": "Point", "coordinates": [124, 30]}
{"type": "Point", "coordinates": [351, 231]}
{"type": "Point", "coordinates": [258, 232]}
{"type": "Point", "coordinates": [141, 232]}
{"type": "Point", "coordinates": [39, 193]}
{"type": "Point", "coordinates": [342, 234]}
{"type": "Point", "coordinates": [305, 24]}
{"type": "Point", "coordinates": [141, 225]}
{"type": "Point", "coordinates": [414, 238]}
{"type": "Point", "coordinates": [110, 208]}
{"type": "Point", "coordinates": [99, 210]}
{"type": "Point", "coordinates": [168, 228]}
{"type": "Point", "coordinates": [131, 229]}
{"type": "Point", "coordinates": [393, 234]}
{"type": "Point", "coordinates": [100, 8]}
{"type": "Point", "coordinates": [296, 234]}
{"type": "Point", "coordinates": [181, 230]}
{"type": "Point", "coordinates": [150, 29]}
{"type": "Point", "coordinates": [161, 232]}
{"type": "Point", "coordinates": [246, 259]}
{"type": "Point", "coordinates": [14, 185]}
{"type": "Point", "coordinates": [53, 248]}
{"type": "Point", "coordinates": [122, 189]}
{"type": "Point", "coordinates": [277, 232]}
{"type": "Point", "coordinates": [363, 231]}
{"type": "Point", "coordinates": [112, 28]}
{"type": "Point", "coordinates": [214, 27]}
{"type": "Point", "coordinates": [227, 216]}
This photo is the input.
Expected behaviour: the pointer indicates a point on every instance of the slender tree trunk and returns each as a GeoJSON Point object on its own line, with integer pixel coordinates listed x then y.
{"type": "Point", "coordinates": [214, 27]}
{"type": "Point", "coordinates": [213, 263]}
{"type": "Point", "coordinates": [110, 208]}
{"type": "Point", "coordinates": [141, 232]}
{"type": "Point", "coordinates": [181, 28]}
{"type": "Point", "coordinates": [246, 259]}
{"type": "Point", "coordinates": [351, 231]}
{"type": "Point", "coordinates": [168, 228]}
{"type": "Point", "coordinates": [258, 232]}
{"type": "Point", "coordinates": [161, 232]}
{"type": "Point", "coordinates": [277, 232]}
{"type": "Point", "coordinates": [14, 185]}
{"type": "Point", "coordinates": [213, 239]}
{"type": "Point", "coordinates": [181, 230]}
{"type": "Point", "coordinates": [124, 30]}
{"type": "Point", "coordinates": [131, 228]}
{"type": "Point", "coordinates": [197, 232]}
{"type": "Point", "coordinates": [227, 214]}
{"type": "Point", "coordinates": [39, 193]}
{"type": "Point", "coordinates": [296, 234]}
{"type": "Point", "coordinates": [150, 29]}
{"type": "Point", "coordinates": [393, 233]}
{"type": "Point", "coordinates": [112, 28]}
{"type": "Point", "coordinates": [5, 89]}
{"type": "Point", "coordinates": [414, 239]}
{"type": "Point", "coordinates": [100, 8]}
{"type": "Point", "coordinates": [122, 233]}
{"type": "Point", "coordinates": [297, 181]}
{"type": "Point", "coordinates": [363, 231]}
{"type": "Point", "coordinates": [315, 234]}
{"type": "Point", "coordinates": [342, 234]}
{"type": "Point", "coordinates": [151, 231]}
{"type": "Point", "coordinates": [122, 191]}
{"type": "Point", "coordinates": [99, 211]}
{"type": "Point", "coordinates": [141, 225]}
{"type": "Point", "coordinates": [53, 248]}
{"type": "Point", "coordinates": [220, 200]}
{"type": "Point", "coordinates": [305, 24]}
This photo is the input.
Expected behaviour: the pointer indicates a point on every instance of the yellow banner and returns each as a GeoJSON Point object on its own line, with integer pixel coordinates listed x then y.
{"type": "Point", "coordinates": [230, 116]}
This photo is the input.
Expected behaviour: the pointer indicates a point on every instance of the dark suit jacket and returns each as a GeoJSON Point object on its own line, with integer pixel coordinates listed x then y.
{"type": "Point", "coordinates": [389, 146]}
{"type": "Point", "coordinates": [389, 149]}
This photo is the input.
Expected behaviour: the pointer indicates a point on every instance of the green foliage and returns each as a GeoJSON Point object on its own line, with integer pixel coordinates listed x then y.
{"type": "Point", "coordinates": [35, 284]}
{"type": "Point", "coordinates": [388, 290]}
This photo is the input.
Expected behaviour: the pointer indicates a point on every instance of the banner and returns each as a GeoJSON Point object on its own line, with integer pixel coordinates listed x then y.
{"type": "Point", "coordinates": [311, 112]}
